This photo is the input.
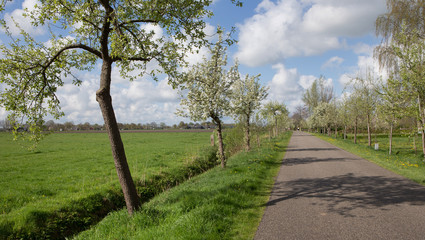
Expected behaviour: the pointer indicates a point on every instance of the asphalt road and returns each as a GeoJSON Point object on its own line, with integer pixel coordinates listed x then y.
{"type": "Point", "coordinates": [323, 192]}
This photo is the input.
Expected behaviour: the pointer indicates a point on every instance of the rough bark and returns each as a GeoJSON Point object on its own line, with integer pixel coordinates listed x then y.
{"type": "Point", "coordinates": [105, 102]}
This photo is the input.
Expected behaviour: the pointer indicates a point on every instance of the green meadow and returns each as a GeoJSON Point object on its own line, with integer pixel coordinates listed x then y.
{"type": "Point", "coordinates": [76, 170]}
{"type": "Point", "coordinates": [218, 204]}
{"type": "Point", "coordinates": [404, 160]}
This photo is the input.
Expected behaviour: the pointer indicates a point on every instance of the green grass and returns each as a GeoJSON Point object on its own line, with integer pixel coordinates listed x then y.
{"type": "Point", "coordinates": [403, 160]}
{"type": "Point", "coordinates": [219, 204]}
{"type": "Point", "coordinates": [77, 170]}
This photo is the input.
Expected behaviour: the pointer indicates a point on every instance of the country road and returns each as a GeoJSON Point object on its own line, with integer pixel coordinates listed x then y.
{"type": "Point", "coordinates": [323, 192]}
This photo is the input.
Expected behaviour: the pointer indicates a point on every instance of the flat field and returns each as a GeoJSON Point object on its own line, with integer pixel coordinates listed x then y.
{"type": "Point", "coordinates": [68, 167]}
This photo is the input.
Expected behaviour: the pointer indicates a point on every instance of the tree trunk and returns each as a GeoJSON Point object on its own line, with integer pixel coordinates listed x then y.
{"type": "Point", "coordinates": [336, 131]}
{"type": "Point", "coordinates": [247, 135]}
{"type": "Point", "coordinates": [423, 129]}
{"type": "Point", "coordinates": [391, 139]}
{"type": "Point", "coordinates": [414, 142]}
{"type": "Point", "coordinates": [220, 145]}
{"type": "Point", "coordinates": [104, 99]}
{"type": "Point", "coordinates": [369, 134]}
{"type": "Point", "coordinates": [355, 131]}
{"type": "Point", "coordinates": [275, 127]}
{"type": "Point", "coordinates": [345, 132]}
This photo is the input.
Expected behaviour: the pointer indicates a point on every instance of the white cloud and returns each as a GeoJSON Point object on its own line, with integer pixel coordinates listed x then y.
{"type": "Point", "coordinates": [16, 17]}
{"type": "Point", "coordinates": [140, 101]}
{"type": "Point", "coordinates": [287, 86]}
{"type": "Point", "coordinates": [366, 65]}
{"type": "Point", "coordinates": [333, 62]}
{"type": "Point", "coordinates": [303, 28]}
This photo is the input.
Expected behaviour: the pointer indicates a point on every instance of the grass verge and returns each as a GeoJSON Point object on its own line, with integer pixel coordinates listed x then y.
{"type": "Point", "coordinates": [219, 204]}
{"type": "Point", "coordinates": [402, 162]}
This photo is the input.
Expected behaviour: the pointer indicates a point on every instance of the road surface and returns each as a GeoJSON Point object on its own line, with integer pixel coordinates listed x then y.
{"type": "Point", "coordinates": [323, 192]}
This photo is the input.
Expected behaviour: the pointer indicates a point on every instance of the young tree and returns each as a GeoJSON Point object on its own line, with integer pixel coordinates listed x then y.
{"type": "Point", "coordinates": [402, 48]}
{"type": "Point", "coordinates": [323, 116]}
{"type": "Point", "coordinates": [317, 93]}
{"type": "Point", "coordinates": [247, 95]}
{"type": "Point", "coordinates": [368, 91]}
{"type": "Point", "coordinates": [393, 105]}
{"type": "Point", "coordinates": [409, 48]}
{"type": "Point", "coordinates": [355, 109]}
{"type": "Point", "coordinates": [343, 113]}
{"type": "Point", "coordinates": [109, 31]}
{"type": "Point", "coordinates": [208, 91]}
{"type": "Point", "coordinates": [275, 112]}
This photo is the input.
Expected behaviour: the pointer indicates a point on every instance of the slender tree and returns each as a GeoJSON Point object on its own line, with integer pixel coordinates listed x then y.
{"type": "Point", "coordinates": [109, 31]}
{"type": "Point", "coordinates": [409, 48]}
{"type": "Point", "coordinates": [393, 105]}
{"type": "Point", "coordinates": [247, 94]}
{"type": "Point", "coordinates": [317, 93]}
{"type": "Point", "coordinates": [355, 111]}
{"type": "Point", "coordinates": [275, 112]}
{"type": "Point", "coordinates": [402, 30]}
{"type": "Point", "coordinates": [206, 91]}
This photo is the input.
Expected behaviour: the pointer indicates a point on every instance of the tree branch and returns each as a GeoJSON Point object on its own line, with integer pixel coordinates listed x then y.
{"type": "Point", "coordinates": [73, 46]}
{"type": "Point", "coordinates": [138, 21]}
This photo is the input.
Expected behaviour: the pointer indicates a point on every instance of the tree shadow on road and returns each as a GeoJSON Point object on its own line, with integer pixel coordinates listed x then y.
{"type": "Point", "coordinates": [344, 194]}
{"type": "Point", "coordinates": [309, 160]}
{"type": "Point", "coordinates": [310, 149]}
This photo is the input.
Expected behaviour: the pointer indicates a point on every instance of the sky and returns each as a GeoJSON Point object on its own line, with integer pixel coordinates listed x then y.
{"type": "Point", "coordinates": [289, 42]}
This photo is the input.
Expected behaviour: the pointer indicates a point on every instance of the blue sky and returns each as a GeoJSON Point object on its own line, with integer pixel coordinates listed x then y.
{"type": "Point", "coordinates": [289, 42]}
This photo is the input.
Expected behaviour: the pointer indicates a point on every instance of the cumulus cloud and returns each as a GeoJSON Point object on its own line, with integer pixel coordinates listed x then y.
{"type": "Point", "coordinates": [291, 28]}
{"type": "Point", "coordinates": [333, 62]}
{"type": "Point", "coordinates": [366, 65]}
{"type": "Point", "coordinates": [140, 101]}
{"type": "Point", "coordinates": [16, 18]}
{"type": "Point", "coordinates": [287, 86]}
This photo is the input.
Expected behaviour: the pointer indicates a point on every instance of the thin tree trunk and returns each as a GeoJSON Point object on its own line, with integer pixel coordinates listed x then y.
{"type": "Point", "coordinates": [423, 133]}
{"type": "Point", "coordinates": [345, 132]}
{"type": "Point", "coordinates": [275, 127]}
{"type": "Point", "coordinates": [355, 132]}
{"type": "Point", "coordinates": [414, 141]}
{"type": "Point", "coordinates": [104, 99]}
{"type": "Point", "coordinates": [247, 135]}
{"type": "Point", "coordinates": [220, 145]}
{"type": "Point", "coordinates": [369, 134]}
{"type": "Point", "coordinates": [422, 114]}
{"type": "Point", "coordinates": [391, 139]}
{"type": "Point", "coordinates": [336, 131]}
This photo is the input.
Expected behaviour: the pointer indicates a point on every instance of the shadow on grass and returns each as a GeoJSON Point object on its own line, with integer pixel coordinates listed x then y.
{"type": "Point", "coordinates": [345, 193]}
